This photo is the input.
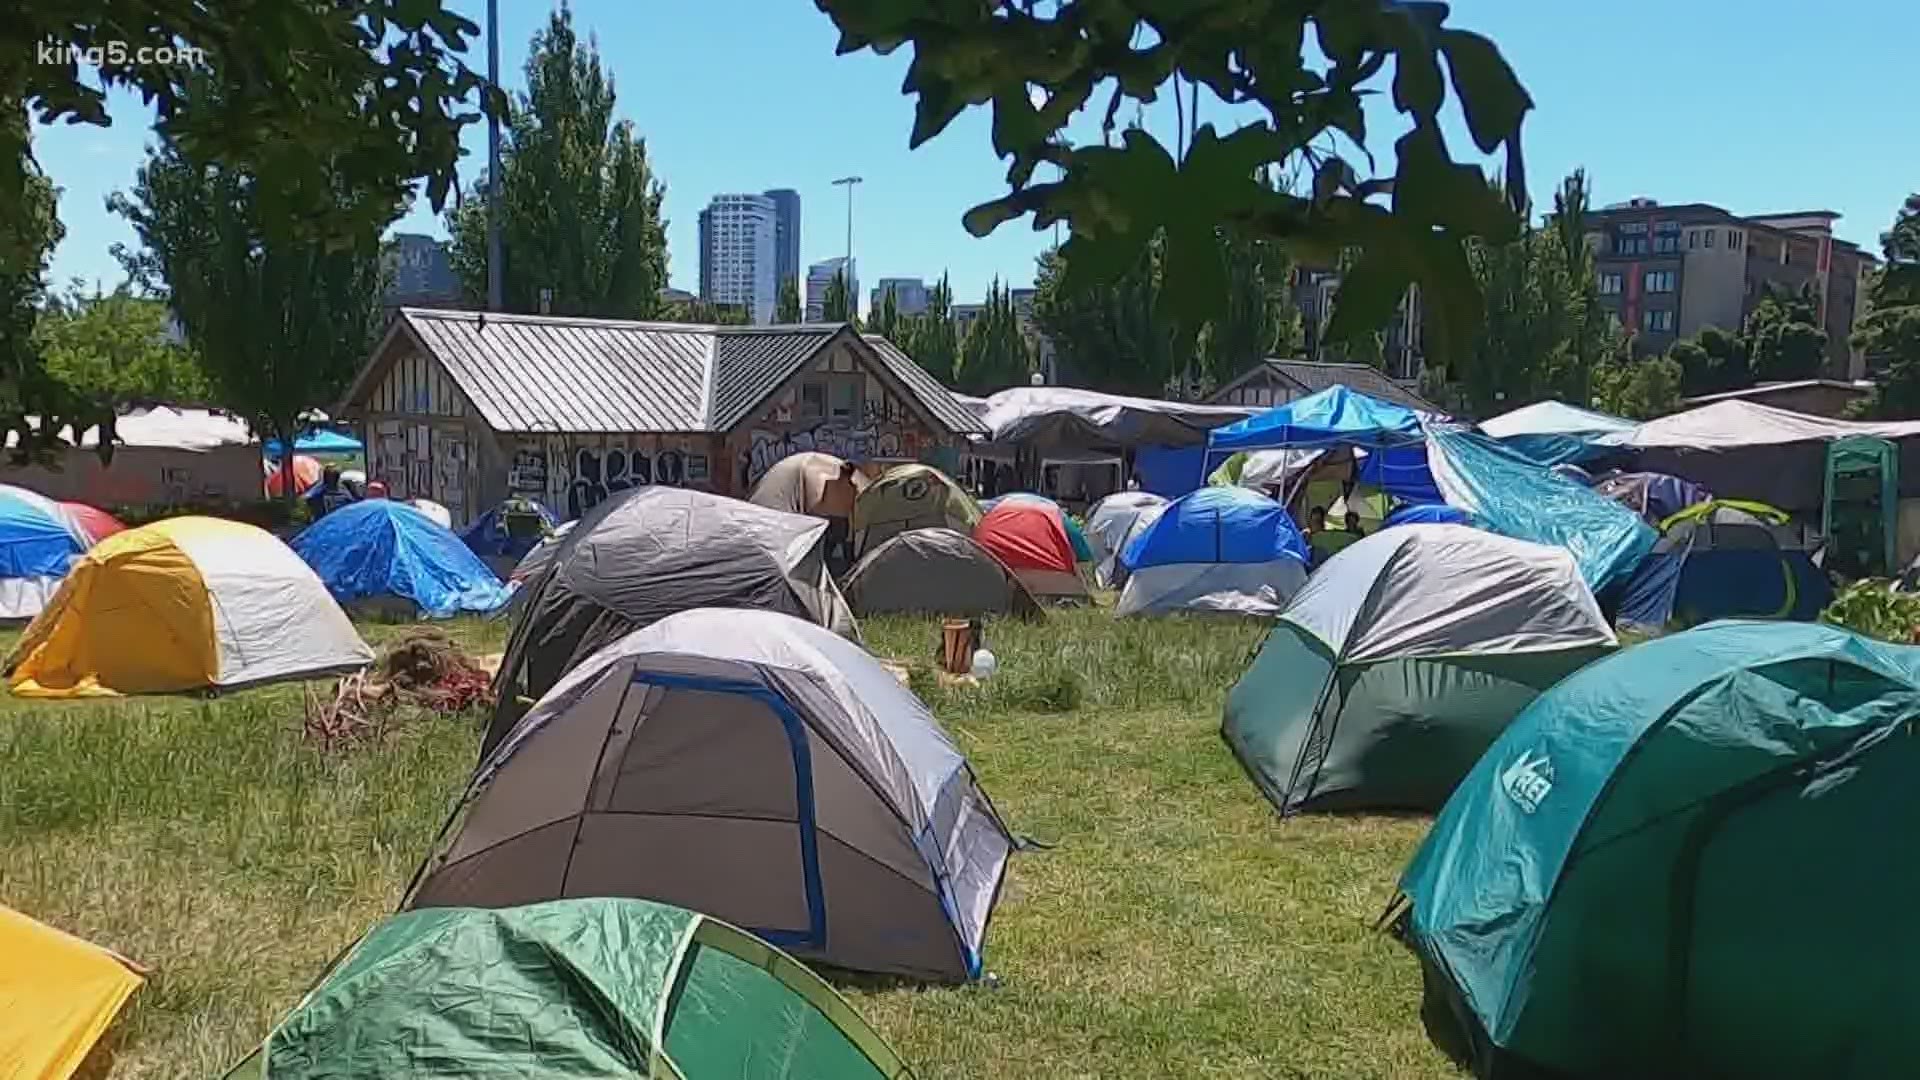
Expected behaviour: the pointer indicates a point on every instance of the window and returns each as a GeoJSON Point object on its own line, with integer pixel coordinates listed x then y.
{"type": "Point", "coordinates": [1693, 239]}
{"type": "Point", "coordinates": [1657, 321]}
{"type": "Point", "coordinates": [1706, 237]}
{"type": "Point", "coordinates": [1735, 240]}
{"type": "Point", "coordinates": [1632, 228]}
{"type": "Point", "coordinates": [1659, 281]}
{"type": "Point", "coordinates": [1666, 244]}
{"type": "Point", "coordinates": [843, 399]}
{"type": "Point", "coordinates": [1629, 245]}
{"type": "Point", "coordinates": [1666, 236]}
{"type": "Point", "coordinates": [1610, 284]}
{"type": "Point", "coordinates": [813, 401]}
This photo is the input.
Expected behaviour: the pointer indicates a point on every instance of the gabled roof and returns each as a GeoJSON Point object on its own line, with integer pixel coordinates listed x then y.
{"type": "Point", "coordinates": [527, 373]}
{"type": "Point", "coordinates": [1313, 376]}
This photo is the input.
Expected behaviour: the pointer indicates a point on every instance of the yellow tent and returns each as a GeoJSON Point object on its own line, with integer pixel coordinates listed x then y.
{"type": "Point", "coordinates": [183, 604]}
{"type": "Point", "coordinates": [58, 995]}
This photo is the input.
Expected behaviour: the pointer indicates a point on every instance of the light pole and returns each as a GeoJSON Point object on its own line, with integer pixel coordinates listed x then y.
{"type": "Point", "coordinates": [494, 284]}
{"type": "Point", "coordinates": [846, 269]}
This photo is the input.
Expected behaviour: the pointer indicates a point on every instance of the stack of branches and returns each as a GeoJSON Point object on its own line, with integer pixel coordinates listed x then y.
{"type": "Point", "coordinates": [424, 670]}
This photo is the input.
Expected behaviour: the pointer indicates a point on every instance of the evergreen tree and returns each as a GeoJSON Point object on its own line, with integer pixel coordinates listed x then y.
{"type": "Point", "coordinates": [995, 354]}
{"type": "Point", "coordinates": [787, 309]}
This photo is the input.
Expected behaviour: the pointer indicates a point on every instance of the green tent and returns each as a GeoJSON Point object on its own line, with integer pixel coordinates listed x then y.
{"type": "Point", "coordinates": [571, 988]}
{"type": "Point", "coordinates": [1401, 660]}
{"type": "Point", "coordinates": [1686, 860]}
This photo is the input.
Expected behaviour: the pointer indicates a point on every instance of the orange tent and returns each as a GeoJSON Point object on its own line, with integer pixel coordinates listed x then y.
{"type": "Point", "coordinates": [306, 473]}
{"type": "Point", "coordinates": [1031, 538]}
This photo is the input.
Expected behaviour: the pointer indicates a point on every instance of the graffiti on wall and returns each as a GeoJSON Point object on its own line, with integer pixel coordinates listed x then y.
{"type": "Point", "coordinates": [598, 472]}
{"type": "Point", "coordinates": [837, 437]}
{"type": "Point", "coordinates": [528, 473]}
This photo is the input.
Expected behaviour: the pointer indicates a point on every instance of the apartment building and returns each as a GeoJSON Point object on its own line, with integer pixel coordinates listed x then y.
{"type": "Point", "coordinates": [1669, 272]}
{"type": "Point", "coordinates": [909, 295]}
{"type": "Point", "coordinates": [820, 275]}
{"type": "Point", "coordinates": [738, 234]}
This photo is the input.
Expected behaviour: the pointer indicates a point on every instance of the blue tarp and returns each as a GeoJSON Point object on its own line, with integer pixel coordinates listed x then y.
{"type": "Point", "coordinates": [1402, 472]}
{"type": "Point", "coordinates": [1433, 513]}
{"type": "Point", "coordinates": [1553, 432]}
{"type": "Point", "coordinates": [1217, 525]}
{"type": "Point", "coordinates": [34, 541]}
{"type": "Point", "coordinates": [1512, 495]}
{"type": "Point", "coordinates": [318, 441]}
{"type": "Point", "coordinates": [1171, 471]}
{"type": "Point", "coordinates": [379, 547]}
{"type": "Point", "coordinates": [488, 536]}
{"type": "Point", "coordinates": [1335, 416]}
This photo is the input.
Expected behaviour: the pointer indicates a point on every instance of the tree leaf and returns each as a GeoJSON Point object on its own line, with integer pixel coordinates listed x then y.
{"type": "Point", "coordinates": [1369, 294]}
{"type": "Point", "coordinates": [1490, 93]}
{"type": "Point", "coordinates": [1432, 190]}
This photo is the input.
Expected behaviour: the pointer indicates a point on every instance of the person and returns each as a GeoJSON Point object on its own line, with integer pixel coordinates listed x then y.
{"type": "Point", "coordinates": [328, 495]}
{"type": "Point", "coordinates": [1324, 542]}
{"type": "Point", "coordinates": [376, 490]}
{"type": "Point", "coordinates": [1353, 524]}
{"type": "Point", "coordinates": [1316, 520]}
{"type": "Point", "coordinates": [840, 523]}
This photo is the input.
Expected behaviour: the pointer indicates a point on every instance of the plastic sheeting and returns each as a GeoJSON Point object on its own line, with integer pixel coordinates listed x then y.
{"type": "Point", "coordinates": [1552, 432]}
{"type": "Point", "coordinates": [1427, 514]}
{"type": "Point", "coordinates": [380, 548]}
{"type": "Point", "coordinates": [1654, 496]}
{"type": "Point", "coordinates": [1170, 471]}
{"type": "Point", "coordinates": [1060, 417]}
{"type": "Point", "coordinates": [1508, 494]}
{"type": "Point", "coordinates": [58, 996]}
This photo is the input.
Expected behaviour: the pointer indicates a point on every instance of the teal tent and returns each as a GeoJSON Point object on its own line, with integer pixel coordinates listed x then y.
{"type": "Point", "coordinates": [1401, 660]}
{"type": "Point", "coordinates": [569, 989]}
{"type": "Point", "coordinates": [1685, 860]}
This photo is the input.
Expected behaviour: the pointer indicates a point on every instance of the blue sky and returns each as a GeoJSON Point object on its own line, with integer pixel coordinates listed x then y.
{"type": "Point", "coordinates": [1761, 105]}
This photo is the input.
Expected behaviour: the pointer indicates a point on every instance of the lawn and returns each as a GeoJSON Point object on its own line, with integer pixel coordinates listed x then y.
{"type": "Point", "coordinates": [1176, 927]}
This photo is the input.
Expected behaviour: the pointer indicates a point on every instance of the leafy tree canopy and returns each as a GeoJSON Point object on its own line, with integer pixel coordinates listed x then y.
{"type": "Point", "coordinates": [930, 337]}
{"type": "Point", "coordinates": [787, 310]}
{"type": "Point", "coordinates": [837, 304]}
{"type": "Point", "coordinates": [1889, 327]}
{"type": "Point", "coordinates": [1036, 65]}
{"type": "Point", "coordinates": [995, 354]}
{"type": "Point", "coordinates": [115, 348]}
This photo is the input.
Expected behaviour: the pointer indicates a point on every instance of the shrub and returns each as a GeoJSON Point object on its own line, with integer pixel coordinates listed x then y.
{"type": "Point", "coordinates": [1871, 606]}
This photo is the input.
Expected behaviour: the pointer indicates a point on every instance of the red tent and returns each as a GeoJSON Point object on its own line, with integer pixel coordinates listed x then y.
{"type": "Point", "coordinates": [306, 473]}
{"type": "Point", "coordinates": [1031, 538]}
{"type": "Point", "coordinates": [92, 522]}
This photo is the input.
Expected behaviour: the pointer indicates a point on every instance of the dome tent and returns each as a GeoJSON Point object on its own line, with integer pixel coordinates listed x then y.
{"type": "Point", "coordinates": [92, 523]}
{"type": "Point", "coordinates": [380, 549]}
{"type": "Point", "coordinates": [746, 764]}
{"type": "Point", "coordinates": [1666, 865]}
{"type": "Point", "coordinates": [38, 544]}
{"type": "Point", "coordinates": [937, 571]}
{"type": "Point", "coordinates": [808, 483]}
{"type": "Point", "coordinates": [62, 994]}
{"type": "Point", "coordinates": [1654, 496]}
{"type": "Point", "coordinates": [645, 554]}
{"type": "Point", "coordinates": [1227, 549]}
{"type": "Point", "coordinates": [184, 604]}
{"type": "Point", "coordinates": [1401, 660]}
{"type": "Point", "coordinates": [574, 988]}
{"type": "Point", "coordinates": [1726, 559]}
{"type": "Point", "coordinates": [1076, 536]}
{"type": "Point", "coordinates": [1111, 523]}
{"type": "Point", "coordinates": [910, 497]}
{"type": "Point", "coordinates": [1029, 535]}
{"type": "Point", "coordinates": [509, 530]}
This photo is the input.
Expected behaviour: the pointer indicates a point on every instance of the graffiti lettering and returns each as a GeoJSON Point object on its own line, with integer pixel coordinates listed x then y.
{"type": "Point", "coordinates": [834, 437]}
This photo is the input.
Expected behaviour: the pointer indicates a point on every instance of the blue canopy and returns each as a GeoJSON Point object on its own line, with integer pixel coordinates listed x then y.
{"type": "Point", "coordinates": [1217, 525]}
{"type": "Point", "coordinates": [1433, 513]}
{"type": "Point", "coordinates": [317, 441]}
{"type": "Point", "coordinates": [488, 536]}
{"type": "Point", "coordinates": [1512, 495]}
{"type": "Point", "coordinates": [1400, 471]}
{"type": "Point", "coordinates": [1335, 416]}
{"type": "Point", "coordinates": [1170, 471]}
{"type": "Point", "coordinates": [379, 547]}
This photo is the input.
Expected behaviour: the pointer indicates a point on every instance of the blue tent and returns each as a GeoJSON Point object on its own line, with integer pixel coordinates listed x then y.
{"type": "Point", "coordinates": [317, 441]}
{"type": "Point", "coordinates": [379, 547]}
{"type": "Point", "coordinates": [1217, 525]}
{"type": "Point", "coordinates": [489, 539]}
{"type": "Point", "coordinates": [1719, 561]}
{"type": "Point", "coordinates": [1433, 513]}
{"type": "Point", "coordinates": [1335, 416]}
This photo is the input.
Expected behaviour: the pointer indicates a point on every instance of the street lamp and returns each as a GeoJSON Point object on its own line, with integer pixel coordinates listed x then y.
{"type": "Point", "coordinates": [846, 269]}
{"type": "Point", "coordinates": [494, 284]}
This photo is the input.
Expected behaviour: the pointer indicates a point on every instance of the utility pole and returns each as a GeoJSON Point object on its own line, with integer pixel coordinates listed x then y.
{"type": "Point", "coordinates": [846, 269]}
{"type": "Point", "coordinates": [494, 284]}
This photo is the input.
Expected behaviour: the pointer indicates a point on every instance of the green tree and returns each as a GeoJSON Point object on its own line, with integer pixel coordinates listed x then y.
{"type": "Point", "coordinates": [837, 304]}
{"type": "Point", "coordinates": [1783, 336]}
{"type": "Point", "coordinates": [115, 349]}
{"type": "Point", "coordinates": [1115, 335]}
{"type": "Point", "coordinates": [1711, 362]}
{"type": "Point", "coordinates": [31, 230]}
{"type": "Point", "coordinates": [1639, 389]}
{"type": "Point", "coordinates": [995, 354]}
{"type": "Point", "coordinates": [1037, 66]}
{"type": "Point", "coordinates": [580, 208]}
{"type": "Point", "coordinates": [1259, 320]}
{"type": "Point", "coordinates": [703, 313]}
{"type": "Point", "coordinates": [930, 338]}
{"type": "Point", "coordinates": [280, 323]}
{"type": "Point", "coordinates": [1889, 326]}
{"type": "Point", "coordinates": [884, 319]}
{"type": "Point", "coordinates": [787, 310]}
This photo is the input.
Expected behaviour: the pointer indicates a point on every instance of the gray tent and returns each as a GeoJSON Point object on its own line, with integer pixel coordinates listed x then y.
{"type": "Point", "coordinates": [646, 554]}
{"type": "Point", "coordinates": [751, 766]}
{"type": "Point", "coordinates": [939, 571]}
{"type": "Point", "coordinates": [1113, 522]}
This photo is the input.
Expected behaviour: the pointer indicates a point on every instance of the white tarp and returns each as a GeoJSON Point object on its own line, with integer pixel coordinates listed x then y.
{"type": "Point", "coordinates": [1112, 522]}
{"type": "Point", "coordinates": [1065, 416]}
{"type": "Point", "coordinates": [1261, 589]}
{"type": "Point", "coordinates": [168, 428]}
{"type": "Point", "coordinates": [1730, 425]}
{"type": "Point", "coordinates": [1553, 418]}
{"type": "Point", "coordinates": [1436, 590]}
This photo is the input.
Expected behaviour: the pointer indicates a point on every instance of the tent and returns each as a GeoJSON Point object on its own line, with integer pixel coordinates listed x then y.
{"type": "Point", "coordinates": [436, 512]}
{"type": "Point", "coordinates": [187, 603]}
{"type": "Point", "coordinates": [92, 523]}
{"type": "Point", "coordinates": [646, 553]}
{"type": "Point", "coordinates": [61, 995]}
{"type": "Point", "coordinates": [746, 764]}
{"type": "Point", "coordinates": [307, 472]}
{"type": "Point", "coordinates": [1336, 416]}
{"type": "Point", "coordinates": [1427, 514]}
{"type": "Point", "coordinates": [1401, 661]}
{"type": "Point", "coordinates": [910, 497]}
{"type": "Point", "coordinates": [569, 989]}
{"type": "Point", "coordinates": [808, 483]}
{"type": "Point", "coordinates": [1225, 549]}
{"type": "Point", "coordinates": [1553, 432]}
{"type": "Point", "coordinates": [38, 543]}
{"type": "Point", "coordinates": [937, 571]}
{"type": "Point", "coordinates": [1076, 536]}
{"type": "Point", "coordinates": [1669, 865]}
{"type": "Point", "coordinates": [379, 549]}
{"type": "Point", "coordinates": [510, 529]}
{"type": "Point", "coordinates": [1111, 523]}
{"type": "Point", "coordinates": [1029, 535]}
{"type": "Point", "coordinates": [1654, 496]}
{"type": "Point", "coordinates": [541, 554]}
{"type": "Point", "coordinates": [1726, 559]}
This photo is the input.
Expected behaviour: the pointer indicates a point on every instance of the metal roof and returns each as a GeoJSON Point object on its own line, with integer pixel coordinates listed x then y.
{"type": "Point", "coordinates": [529, 373]}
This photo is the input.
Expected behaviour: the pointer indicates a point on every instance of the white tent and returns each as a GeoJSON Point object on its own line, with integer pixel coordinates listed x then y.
{"type": "Point", "coordinates": [1111, 523]}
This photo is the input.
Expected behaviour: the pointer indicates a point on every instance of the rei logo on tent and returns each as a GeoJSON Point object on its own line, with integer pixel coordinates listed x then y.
{"type": "Point", "coordinates": [1528, 780]}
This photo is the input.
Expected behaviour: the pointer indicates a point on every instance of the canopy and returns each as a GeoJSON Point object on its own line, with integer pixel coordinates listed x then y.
{"type": "Point", "coordinates": [910, 497]}
{"type": "Point", "coordinates": [1637, 878]}
{"type": "Point", "coordinates": [1048, 417]}
{"type": "Point", "coordinates": [1514, 496]}
{"type": "Point", "coordinates": [1552, 432]}
{"type": "Point", "coordinates": [1336, 416]}
{"type": "Point", "coordinates": [936, 571]}
{"type": "Point", "coordinates": [380, 548]}
{"type": "Point", "coordinates": [187, 603]}
{"type": "Point", "coordinates": [323, 442]}
{"type": "Point", "coordinates": [747, 764]}
{"type": "Point", "coordinates": [1226, 549]}
{"type": "Point", "coordinates": [647, 553]}
{"type": "Point", "coordinates": [572, 990]}
{"type": "Point", "coordinates": [808, 483]}
{"type": "Point", "coordinates": [38, 543]}
{"type": "Point", "coordinates": [61, 995]}
{"type": "Point", "coordinates": [1427, 514]}
{"type": "Point", "coordinates": [1399, 663]}
{"type": "Point", "coordinates": [1030, 537]}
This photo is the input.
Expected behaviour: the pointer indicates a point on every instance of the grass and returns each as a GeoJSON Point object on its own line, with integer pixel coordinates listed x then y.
{"type": "Point", "coordinates": [1176, 929]}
